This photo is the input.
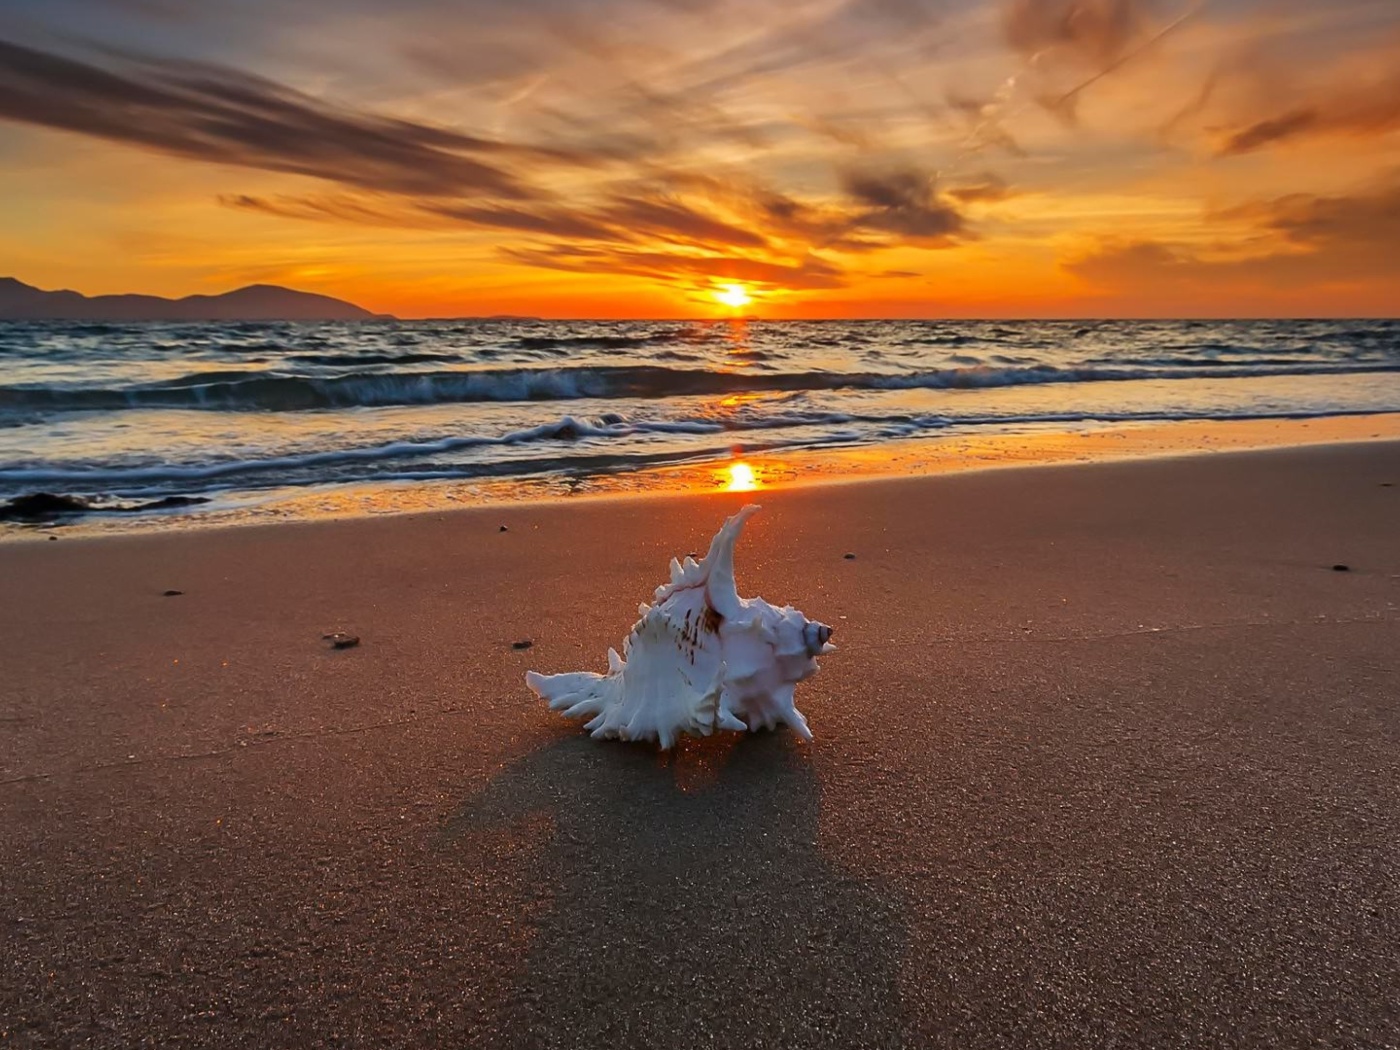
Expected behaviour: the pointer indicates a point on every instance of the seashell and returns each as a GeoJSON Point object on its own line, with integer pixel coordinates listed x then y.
{"type": "Point", "coordinates": [700, 658]}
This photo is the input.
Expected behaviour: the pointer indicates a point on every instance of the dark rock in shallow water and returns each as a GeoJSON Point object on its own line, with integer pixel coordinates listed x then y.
{"type": "Point", "coordinates": [49, 506]}
{"type": "Point", "coordinates": [341, 640]}
{"type": "Point", "coordinates": [41, 506]}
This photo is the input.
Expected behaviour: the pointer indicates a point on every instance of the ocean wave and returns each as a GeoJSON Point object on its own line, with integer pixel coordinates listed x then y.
{"type": "Point", "coordinates": [594, 342]}
{"type": "Point", "coordinates": [275, 391]}
{"type": "Point", "coordinates": [577, 445]}
{"type": "Point", "coordinates": [343, 360]}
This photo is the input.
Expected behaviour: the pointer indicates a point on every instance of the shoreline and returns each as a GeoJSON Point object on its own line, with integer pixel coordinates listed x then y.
{"type": "Point", "coordinates": [928, 456]}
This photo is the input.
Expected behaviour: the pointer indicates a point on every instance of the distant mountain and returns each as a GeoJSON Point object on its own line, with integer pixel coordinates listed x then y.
{"type": "Point", "coordinates": [257, 302]}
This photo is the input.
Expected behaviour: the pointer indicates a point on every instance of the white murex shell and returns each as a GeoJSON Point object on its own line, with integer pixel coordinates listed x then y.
{"type": "Point", "coordinates": [700, 658]}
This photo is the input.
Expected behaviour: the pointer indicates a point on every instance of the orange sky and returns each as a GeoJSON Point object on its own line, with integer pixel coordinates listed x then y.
{"type": "Point", "coordinates": [570, 158]}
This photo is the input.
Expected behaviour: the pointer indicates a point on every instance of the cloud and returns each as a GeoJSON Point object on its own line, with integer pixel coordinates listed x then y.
{"type": "Point", "coordinates": [672, 219]}
{"type": "Point", "coordinates": [680, 209]}
{"type": "Point", "coordinates": [988, 189]}
{"type": "Point", "coordinates": [1295, 240]}
{"type": "Point", "coordinates": [337, 208]}
{"type": "Point", "coordinates": [553, 221]}
{"type": "Point", "coordinates": [1369, 220]}
{"type": "Point", "coordinates": [810, 272]}
{"type": "Point", "coordinates": [1361, 111]}
{"type": "Point", "coordinates": [212, 114]}
{"type": "Point", "coordinates": [1085, 32]}
{"type": "Point", "coordinates": [641, 170]}
{"type": "Point", "coordinates": [623, 220]}
{"type": "Point", "coordinates": [905, 203]}
{"type": "Point", "coordinates": [1265, 132]}
{"type": "Point", "coordinates": [1071, 45]}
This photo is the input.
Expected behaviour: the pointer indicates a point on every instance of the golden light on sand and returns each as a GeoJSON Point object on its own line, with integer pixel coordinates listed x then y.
{"type": "Point", "coordinates": [741, 478]}
{"type": "Point", "coordinates": [733, 295]}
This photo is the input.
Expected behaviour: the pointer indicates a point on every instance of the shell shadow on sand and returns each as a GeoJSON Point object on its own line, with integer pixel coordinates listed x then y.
{"type": "Point", "coordinates": [690, 903]}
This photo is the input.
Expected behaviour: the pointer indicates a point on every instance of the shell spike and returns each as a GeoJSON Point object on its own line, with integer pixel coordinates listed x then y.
{"type": "Point", "coordinates": [798, 723]}
{"type": "Point", "coordinates": [719, 564]}
{"type": "Point", "coordinates": [726, 720]}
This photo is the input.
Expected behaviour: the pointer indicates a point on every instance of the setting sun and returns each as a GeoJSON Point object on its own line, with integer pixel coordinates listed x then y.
{"type": "Point", "coordinates": [735, 295]}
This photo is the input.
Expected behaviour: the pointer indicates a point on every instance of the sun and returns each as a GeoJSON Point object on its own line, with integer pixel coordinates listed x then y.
{"type": "Point", "coordinates": [735, 295]}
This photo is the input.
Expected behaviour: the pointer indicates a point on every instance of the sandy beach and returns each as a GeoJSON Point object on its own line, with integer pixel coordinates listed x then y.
{"type": "Point", "coordinates": [1109, 756]}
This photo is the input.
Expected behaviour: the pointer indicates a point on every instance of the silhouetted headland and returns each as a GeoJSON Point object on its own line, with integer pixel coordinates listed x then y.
{"type": "Point", "coordinates": [256, 302]}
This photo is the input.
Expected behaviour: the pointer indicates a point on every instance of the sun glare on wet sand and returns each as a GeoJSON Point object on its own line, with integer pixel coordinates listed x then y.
{"type": "Point", "coordinates": [741, 478]}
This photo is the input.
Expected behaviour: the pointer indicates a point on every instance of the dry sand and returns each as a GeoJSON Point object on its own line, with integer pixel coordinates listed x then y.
{"type": "Point", "coordinates": [1110, 756]}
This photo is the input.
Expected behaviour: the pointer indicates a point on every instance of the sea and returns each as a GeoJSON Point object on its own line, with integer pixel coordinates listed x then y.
{"type": "Point", "coordinates": [185, 419]}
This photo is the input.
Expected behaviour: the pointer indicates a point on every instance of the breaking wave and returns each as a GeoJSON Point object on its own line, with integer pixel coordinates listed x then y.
{"type": "Point", "coordinates": [278, 392]}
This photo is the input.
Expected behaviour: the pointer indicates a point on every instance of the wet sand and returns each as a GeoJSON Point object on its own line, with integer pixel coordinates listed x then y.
{"type": "Point", "coordinates": [1110, 756]}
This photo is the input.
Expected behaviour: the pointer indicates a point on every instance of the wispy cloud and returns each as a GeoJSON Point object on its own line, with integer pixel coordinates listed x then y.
{"type": "Point", "coordinates": [219, 115]}
{"type": "Point", "coordinates": [806, 273]}
{"type": "Point", "coordinates": [1290, 241]}
{"type": "Point", "coordinates": [1358, 110]}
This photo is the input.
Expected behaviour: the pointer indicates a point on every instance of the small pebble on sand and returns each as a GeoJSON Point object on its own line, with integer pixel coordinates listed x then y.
{"type": "Point", "coordinates": [1341, 568]}
{"type": "Point", "coordinates": [504, 529]}
{"type": "Point", "coordinates": [341, 640]}
{"type": "Point", "coordinates": [172, 594]}
{"type": "Point", "coordinates": [850, 556]}
{"type": "Point", "coordinates": [524, 644]}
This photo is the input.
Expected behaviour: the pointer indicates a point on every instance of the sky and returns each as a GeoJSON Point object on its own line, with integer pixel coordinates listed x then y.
{"type": "Point", "coordinates": [674, 158]}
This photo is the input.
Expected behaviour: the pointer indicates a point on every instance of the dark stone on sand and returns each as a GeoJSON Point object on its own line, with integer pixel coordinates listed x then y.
{"type": "Point", "coordinates": [1341, 568]}
{"type": "Point", "coordinates": [849, 556]}
{"type": "Point", "coordinates": [524, 644]}
{"type": "Point", "coordinates": [172, 594]}
{"type": "Point", "coordinates": [341, 640]}
{"type": "Point", "coordinates": [504, 529]}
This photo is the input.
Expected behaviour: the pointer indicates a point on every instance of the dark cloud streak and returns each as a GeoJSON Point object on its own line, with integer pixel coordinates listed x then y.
{"type": "Point", "coordinates": [216, 115]}
{"type": "Point", "coordinates": [905, 203]}
{"type": "Point", "coordinates": [1358, 111]}
{"type": "Point", "coordinates": [809, 273]}
{"type": "Point", "coordinates": [1266, 132]}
